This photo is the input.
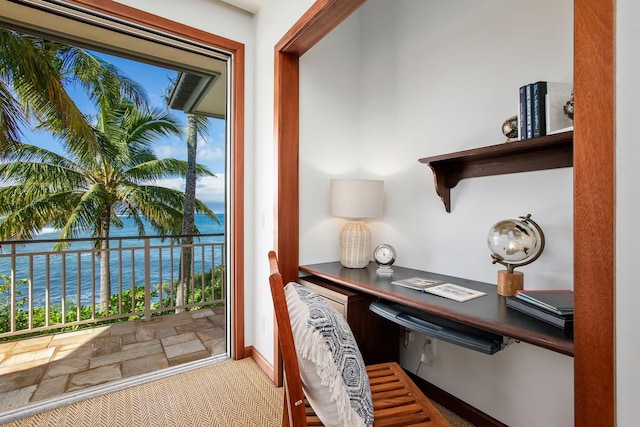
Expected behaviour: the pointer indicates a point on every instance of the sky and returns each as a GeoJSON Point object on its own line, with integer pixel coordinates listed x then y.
{"type": "Point", "coordinates": [155, 80]}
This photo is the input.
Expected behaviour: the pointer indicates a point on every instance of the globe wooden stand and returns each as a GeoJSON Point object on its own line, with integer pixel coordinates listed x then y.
{"type": "Point", "coordinates": [509, 283]}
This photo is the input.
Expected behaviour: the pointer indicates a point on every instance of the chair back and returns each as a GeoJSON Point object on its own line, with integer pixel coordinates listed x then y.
{"type": "Point", "coordinates": [294, 407]}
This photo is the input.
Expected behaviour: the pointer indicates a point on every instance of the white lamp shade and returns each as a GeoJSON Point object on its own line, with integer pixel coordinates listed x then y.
{"type": "Point", "coordinates": [356, 198]}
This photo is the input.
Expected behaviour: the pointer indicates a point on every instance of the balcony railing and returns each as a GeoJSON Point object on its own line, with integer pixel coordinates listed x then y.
{"type": "Point", "coordinates": [42, 289]}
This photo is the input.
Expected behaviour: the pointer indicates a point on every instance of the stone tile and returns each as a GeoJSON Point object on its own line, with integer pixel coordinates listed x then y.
{"type": "Point", "coordinates": [129, 338]}
{"type": "Point", "coordinates": [145, 334]}
{"type": "Point", "coordinates": [206, 312]}
{"type": "Point", "coordinates": [216, 346]}
{"type": "Point", "coordinates": [218, 320]}
{"type": "Point", "coordinates": [78, 338]}
{"type": "Point", "coordinates": [32, 344]}
{"type": "Point", "coordinates": [196, 325]}
{"type": "Point", "coordinates": [6, 347]}
{"type": "Point", "coordinates": [183, 348]}
{"type": "Point", "coordinates": [177, 339]}
{"type": "Point", "coordinates": [177, 317]}
{"type": "Point", "coordinates": [17, 379]}
{"type": "Point", "coordinates": [66, 366]}
{"type": "Point", "coordinates": [166, 332]}
{"type": "Point", "coordinates": [69, 343]}
{"type": "Point", "coordinates": [190, 357]}
{"type": "Point", "coordinates": [219, 309]}
{"type": "Point", "coordinates": [158, 322]}
{"type": "Point", "coordinates": [50, 388]}
{"type": "Point", "coordinates": [64, 352]}
{"type": "Point", "coordinates": [144, 364]}
{"type": "Point", "coordinates": [140, 345]}
{"type": "Point", "coordinates": [16, 398]}
{"type": "Point", "coordinates": [94, 377]}
{"type": "Point", "coordinates": [106, 345]}
{"type": "Point", "coordinates": [128, 354]}
{"type": "Point", "coordinates": [35, 356]}
{"type": "Point", "coordinates": [183, 320]}
{"type": "Point", "coordinates": [211, 333]}
{"type": "Point", "coordinates": [123, 328]}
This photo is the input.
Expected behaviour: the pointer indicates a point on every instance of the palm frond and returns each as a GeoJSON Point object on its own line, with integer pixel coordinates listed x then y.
{"type": "Point", "coordinates": [12, 117]}
{"type": "Point", "coordinates": [164, 168]}
{"type": "Point", "coordinates": [28, 67]}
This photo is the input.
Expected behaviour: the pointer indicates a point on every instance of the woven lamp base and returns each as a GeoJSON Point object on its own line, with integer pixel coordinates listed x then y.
{"type": "Point", "coordinates": [355, 244]}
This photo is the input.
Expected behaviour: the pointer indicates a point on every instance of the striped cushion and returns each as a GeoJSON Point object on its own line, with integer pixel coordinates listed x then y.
{"type": "Point", "coordinates": [333, 373]}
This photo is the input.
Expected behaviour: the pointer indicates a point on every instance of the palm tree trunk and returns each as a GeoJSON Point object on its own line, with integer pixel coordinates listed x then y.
{"type": "Point", "coordinates": [105, 276]}
{"type": "Point", "coordinates": [188, 218]}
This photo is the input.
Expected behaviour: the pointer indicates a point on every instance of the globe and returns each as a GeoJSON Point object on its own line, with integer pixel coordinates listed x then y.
{"type": "Point", "coordinates": [515, 242]}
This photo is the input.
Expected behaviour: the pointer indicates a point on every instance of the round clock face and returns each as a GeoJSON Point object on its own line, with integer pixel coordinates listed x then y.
{"type": "Point", "coordinates": [384, 254]}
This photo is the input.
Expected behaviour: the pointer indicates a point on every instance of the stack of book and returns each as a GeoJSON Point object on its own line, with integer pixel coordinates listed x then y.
{"type": "Point", "coordinates": [552, 306]}
{"type": "Point", "coordinates": [540, 110]}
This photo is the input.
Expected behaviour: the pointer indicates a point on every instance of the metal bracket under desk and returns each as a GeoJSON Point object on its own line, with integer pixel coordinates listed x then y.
{"type": "Point", "coordinates": [438, 327]}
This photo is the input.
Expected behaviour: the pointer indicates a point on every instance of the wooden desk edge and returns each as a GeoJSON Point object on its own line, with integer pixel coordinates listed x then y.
{"type": "Point", "coordinates": [525, 335]}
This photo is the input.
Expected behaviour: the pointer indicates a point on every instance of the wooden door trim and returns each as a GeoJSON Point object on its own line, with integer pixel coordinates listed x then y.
{"type": "Point", "coordinates": [594, 389]}
{"type": "Point", "coordinates": [594, 213]}
{"type": "Point", "coordinates": [322, 17]}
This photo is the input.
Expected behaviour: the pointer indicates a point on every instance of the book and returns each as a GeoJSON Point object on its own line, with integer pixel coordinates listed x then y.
{"type": "Point", "coordinates": [454, 292]}
{"type": "Point", "coordinates": [522, 113]}
{"type": "Point", "coordinates": [538, 113]}
{"type": "Point", "coordinates": [560, 321]}
{"type": "Point", "coordinates": [555, 301]}
{"type": "Point", "coordinates": [417, 283]}
{"type": "Point", "coordinates": [528, 105]}
{"type": "Point", "coordinates": [548, 99]}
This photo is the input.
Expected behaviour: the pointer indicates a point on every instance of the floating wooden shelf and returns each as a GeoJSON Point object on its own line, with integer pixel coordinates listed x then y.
{"type": "Point", "coordinates": [546, 152]}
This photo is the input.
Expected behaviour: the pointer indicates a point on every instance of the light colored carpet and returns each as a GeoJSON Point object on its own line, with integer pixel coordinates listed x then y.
{"type": "Point", "coordinates": [229, 393]}
{"type": "Point", "coordinates": [226, 394]}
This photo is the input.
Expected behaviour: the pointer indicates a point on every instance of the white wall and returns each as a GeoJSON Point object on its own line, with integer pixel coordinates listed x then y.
{"type": "Point", "coordinates": [408, 79]}
{"type": "Point", "coordinates": [272, 22]}
{"type": "Point", "coordinates": [627, 206]}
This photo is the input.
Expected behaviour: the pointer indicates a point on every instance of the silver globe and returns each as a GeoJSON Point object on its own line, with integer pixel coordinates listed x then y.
{"type": "Point", "coordinates": [515, 242]}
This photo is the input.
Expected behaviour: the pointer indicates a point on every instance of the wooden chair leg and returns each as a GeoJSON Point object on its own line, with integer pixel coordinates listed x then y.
{"type": "Point", "coordinates": [285, 410]}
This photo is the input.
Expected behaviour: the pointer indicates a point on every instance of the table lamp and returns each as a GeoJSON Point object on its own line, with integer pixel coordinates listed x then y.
{"type": "Point", "coordinates": [356, 199]}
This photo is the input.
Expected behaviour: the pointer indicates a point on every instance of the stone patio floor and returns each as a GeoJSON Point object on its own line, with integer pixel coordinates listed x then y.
{"type": "Point", "coordinates": [40, 368]}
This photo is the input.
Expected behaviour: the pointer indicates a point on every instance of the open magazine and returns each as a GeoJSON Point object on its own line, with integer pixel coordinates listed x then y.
{"type": "Point", "coordinates": [436, 287]}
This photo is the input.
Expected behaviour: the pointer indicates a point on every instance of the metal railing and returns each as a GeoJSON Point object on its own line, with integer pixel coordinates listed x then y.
{"type": "Point", "coordinates": [42, 289]}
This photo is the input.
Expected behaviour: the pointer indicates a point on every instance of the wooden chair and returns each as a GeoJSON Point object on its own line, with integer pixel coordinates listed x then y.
{"type": "Point", "coordinates": [397, 401]}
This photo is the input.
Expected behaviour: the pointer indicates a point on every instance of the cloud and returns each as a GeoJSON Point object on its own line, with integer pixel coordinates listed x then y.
{"type": "Point", "coordinates": [210, 154]}
{"type": "Point", "coordinates": [175, 149]}
{"type": "Point", "coordinates": [209, 190]}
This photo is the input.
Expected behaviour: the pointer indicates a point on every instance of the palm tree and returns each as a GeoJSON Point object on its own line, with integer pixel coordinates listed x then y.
{"type": "Point", "coordinates": [86, 191]}
{"type": "Point", "coordinates": [196, 124]}
{"type": "Point", "coordinates": [34, 74]}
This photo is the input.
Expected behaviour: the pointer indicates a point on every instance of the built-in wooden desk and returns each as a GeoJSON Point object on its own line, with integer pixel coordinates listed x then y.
{"type": "Point", "coordinates": [489, 312]}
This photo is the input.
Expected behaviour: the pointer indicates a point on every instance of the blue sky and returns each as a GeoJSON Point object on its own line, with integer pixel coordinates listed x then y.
{"type": "Point", "coordinates": [155, 80]}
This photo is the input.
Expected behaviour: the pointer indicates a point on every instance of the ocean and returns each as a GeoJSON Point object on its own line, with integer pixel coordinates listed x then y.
{"type": "Point", "coordinates": [127, 266]}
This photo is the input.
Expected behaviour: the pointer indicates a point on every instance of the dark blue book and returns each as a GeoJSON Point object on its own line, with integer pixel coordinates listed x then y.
{"type": "Point", "coordinates": [529, 109]}
{"type": "Point", "coordinates": [556, 301]}
{"type": "Point", "coordinates": [538, 110]}
{"type": "Point", "coordinates": [558, 320]}
{"type": "Point", "coordinates": [522, 113]}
